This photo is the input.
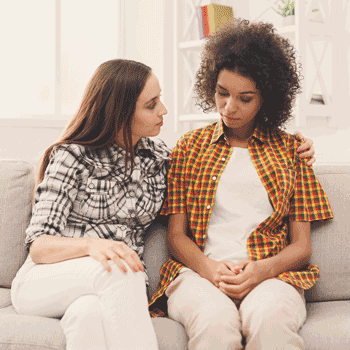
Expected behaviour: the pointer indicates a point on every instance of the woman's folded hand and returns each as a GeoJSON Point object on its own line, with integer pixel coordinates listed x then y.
{"type": "Point", "coordinates": [248, 274]}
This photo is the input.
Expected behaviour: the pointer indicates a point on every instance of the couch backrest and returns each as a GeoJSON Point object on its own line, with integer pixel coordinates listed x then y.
{"type": "Point", "coordinates": [16, 190]}
{"type": "Point", "coordinates": [331, 239]}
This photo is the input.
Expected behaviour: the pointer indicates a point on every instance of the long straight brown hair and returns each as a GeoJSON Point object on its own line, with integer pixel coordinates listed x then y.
{"type": "Point", "coordinates": [108, 106]}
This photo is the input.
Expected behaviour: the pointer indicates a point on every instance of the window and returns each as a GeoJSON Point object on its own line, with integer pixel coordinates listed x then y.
{"type": "Point", "coordinates": [50, 50]}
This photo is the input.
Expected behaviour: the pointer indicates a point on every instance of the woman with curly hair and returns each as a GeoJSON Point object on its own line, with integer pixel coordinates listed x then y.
{"type": "Point", "coordinates": [240, 201]}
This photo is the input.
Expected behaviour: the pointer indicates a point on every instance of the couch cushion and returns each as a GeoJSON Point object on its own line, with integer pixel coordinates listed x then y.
{"type": "Point", "coordinates": [21, 332]}
{"type": "Point", "coordinates": [331, 239]}
{"type": "Point", "coordinates": [171, 335]}
{"type": "Point", "coordinates": [16, 190]}
{"type": "Point", "coordinates": [327, 326]}
{"type": "Point", "coordinates": [33, 332]}
{"type": "Point", "coordinates": [156, 253]}
{"type": "Point", "coordinates": [5, 297]}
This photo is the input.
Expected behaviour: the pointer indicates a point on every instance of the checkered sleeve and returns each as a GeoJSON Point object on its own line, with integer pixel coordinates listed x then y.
{"type": "Point", "coordinates": [175, 201]}
{"type": "Point", "coordinates": [310, 202]}
{"type": "Point", "coordinates": [55, 195]}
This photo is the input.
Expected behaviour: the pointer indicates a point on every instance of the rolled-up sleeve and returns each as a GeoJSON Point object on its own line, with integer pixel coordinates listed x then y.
{"type": "Point", "coordinates": [55, 195]}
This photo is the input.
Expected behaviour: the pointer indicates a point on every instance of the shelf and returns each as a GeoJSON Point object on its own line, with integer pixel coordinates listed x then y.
{"type": "Point", "coordinates": [195, 45]}
{"type": "Point", "coordinates": [318, 110]}
{"type": "Point", "coordinates": [312, 28]}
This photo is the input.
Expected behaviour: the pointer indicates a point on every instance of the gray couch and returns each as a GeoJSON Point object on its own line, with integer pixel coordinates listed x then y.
{"type": "Point", "coordinates": [328, 302]}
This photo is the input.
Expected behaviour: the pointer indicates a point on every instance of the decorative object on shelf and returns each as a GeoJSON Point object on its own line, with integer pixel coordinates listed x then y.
{"type": "Point", "coordinates": [316, 16]}
{"type": "Point", "coordinates": [213, 17]}
{"type": "Point", "coordinates": [317, 99]}
{"type": "Point", "coordinates": [287, 10]}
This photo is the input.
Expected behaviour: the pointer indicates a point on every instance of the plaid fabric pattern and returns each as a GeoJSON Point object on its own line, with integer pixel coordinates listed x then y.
{"type": "Point", "coordinates": [84, 193]}
{"type": "Point", "coordinates": [198, 161]}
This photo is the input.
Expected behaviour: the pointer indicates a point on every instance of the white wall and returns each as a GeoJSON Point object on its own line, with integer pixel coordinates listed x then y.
{"type": "Point", "coordinates": [149, 33]}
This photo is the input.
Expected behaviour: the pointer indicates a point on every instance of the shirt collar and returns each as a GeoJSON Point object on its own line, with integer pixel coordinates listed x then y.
{"type": "Point", "coordinates": [258, 133]}
{"type": "Point", "coordinates": [218, 132]}
{"type": "Point", "coordinates": [147, 147]}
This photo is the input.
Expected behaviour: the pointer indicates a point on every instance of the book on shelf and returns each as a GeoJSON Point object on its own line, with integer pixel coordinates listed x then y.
{"type": "Point", "coordinates": [211, 17]}
{"type": "Point", "coordinates": [200, 22]}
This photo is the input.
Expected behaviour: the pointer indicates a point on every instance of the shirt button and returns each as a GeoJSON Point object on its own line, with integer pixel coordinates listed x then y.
{"type": "Point", "coordinates": [214, 178]}
{"type": "Point", "coordinates": [223, 159]}
{"type": "Point", "coordinates": [132, 194]}
{"type": "Point", "coordinates": [208, 206]}
{"type": "Point", "coordinates": [91, 186]}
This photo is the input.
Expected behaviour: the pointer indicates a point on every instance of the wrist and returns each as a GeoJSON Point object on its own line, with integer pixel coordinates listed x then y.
{"type": "Point", "coordinates": [208, 270]}
{"type": "Point", "coordinates": [86, 242]}
{"type": "Point", "coordinates": [268, 266]}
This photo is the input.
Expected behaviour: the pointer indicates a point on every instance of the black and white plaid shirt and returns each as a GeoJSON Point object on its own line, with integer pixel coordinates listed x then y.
{"type": "Point", "coordinates": [84, 193]}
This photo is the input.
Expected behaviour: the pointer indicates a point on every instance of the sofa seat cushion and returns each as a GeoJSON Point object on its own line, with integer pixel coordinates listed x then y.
{"type": "Point", "coordinates": [171, 335]}
{"type": "Point", "coordinates": [21, 332]}
{"type": "Point", "coordinates": [327, 326]}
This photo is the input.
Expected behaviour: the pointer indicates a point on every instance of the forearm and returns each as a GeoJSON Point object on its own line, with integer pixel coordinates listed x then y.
{"type": "Point", "coordinates": [294, 256]}
{"type": "Point", "coordinates": [291, 258]}
{"type": "Point", "coordinates": [49, 249]}
{"type": "Point", "coordinates": [188, 253]}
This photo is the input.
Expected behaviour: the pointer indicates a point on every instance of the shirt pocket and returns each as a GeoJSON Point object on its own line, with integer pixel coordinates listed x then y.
{"type": "Point", "coordinates": [100, 200]}
{"type": "Point", "coordinates": [157, 183]}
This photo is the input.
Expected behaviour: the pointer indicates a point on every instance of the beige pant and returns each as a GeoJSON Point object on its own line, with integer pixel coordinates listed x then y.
{"type": "Point", "coordinates": [269, 317]}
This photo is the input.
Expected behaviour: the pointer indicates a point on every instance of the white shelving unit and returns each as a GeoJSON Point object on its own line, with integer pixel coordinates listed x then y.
{"type": "Point", "coordinates": [304, 33]}
{"type": "Point", "coordinates": [330, 34]}
{"type": "Point", "coordinates": [187, 51]}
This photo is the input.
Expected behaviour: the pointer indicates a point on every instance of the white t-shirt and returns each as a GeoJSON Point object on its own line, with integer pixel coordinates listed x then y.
{"type": "Point", "coordinates": [241, 204]}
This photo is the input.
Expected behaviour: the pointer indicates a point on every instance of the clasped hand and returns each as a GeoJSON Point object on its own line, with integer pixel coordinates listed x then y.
{"type": "Point", "coordinates": [104, 249]}
{"type": "Point", "coordinates": [237, 280]}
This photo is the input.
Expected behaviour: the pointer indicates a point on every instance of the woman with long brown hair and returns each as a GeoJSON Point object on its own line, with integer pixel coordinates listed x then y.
{"type": "Point", "coordinates": [99, 187]}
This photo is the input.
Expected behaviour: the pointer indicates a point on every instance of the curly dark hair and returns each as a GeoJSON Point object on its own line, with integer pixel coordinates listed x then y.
{"type": "Point", "coordinates": [255, 51]}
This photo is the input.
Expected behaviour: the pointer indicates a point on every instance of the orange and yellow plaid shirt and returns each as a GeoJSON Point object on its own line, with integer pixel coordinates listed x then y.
{"type": "Point", "coordinates": [197, 162]}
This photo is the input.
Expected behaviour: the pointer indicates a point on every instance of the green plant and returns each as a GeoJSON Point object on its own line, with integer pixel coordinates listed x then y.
{"type": "Point", "coordinates": [286, 8]}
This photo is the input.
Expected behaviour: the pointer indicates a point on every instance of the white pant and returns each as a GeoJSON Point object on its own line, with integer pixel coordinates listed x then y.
{"type": "Point", "coordinates": [100, 309]}
{"type": "Point", "coordinates": [269, 317]}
